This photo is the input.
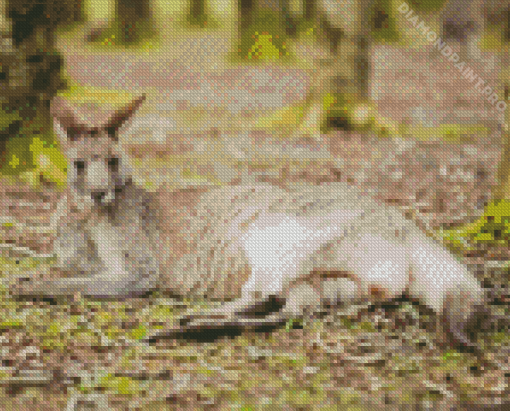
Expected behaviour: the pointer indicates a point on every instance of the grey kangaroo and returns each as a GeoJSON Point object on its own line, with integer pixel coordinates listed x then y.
{"type": "Point", "coordinates": [241, 244]}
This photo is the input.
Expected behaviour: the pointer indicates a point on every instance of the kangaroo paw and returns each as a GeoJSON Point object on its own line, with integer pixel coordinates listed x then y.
{"type": "Point", "coordinates": [232, 315]}
{"type": "Point", "coordinates": [209, 324]}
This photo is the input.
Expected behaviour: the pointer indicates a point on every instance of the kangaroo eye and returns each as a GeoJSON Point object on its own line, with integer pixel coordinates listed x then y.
{"type": "Point", "coordinates": [113, 162]}
{"type": "Point", "coordinates": [79, 165]}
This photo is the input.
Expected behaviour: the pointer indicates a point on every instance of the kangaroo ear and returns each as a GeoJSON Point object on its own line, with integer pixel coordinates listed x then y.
{"type": "Point", "coordinates": [119, 117]}
{"type": "Point", "coordinates": [65, 122]}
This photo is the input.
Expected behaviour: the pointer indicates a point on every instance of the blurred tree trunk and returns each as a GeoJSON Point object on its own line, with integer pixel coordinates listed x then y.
{"type": "Point", "coordinates": [497, 13]}
{"type": "Point", "coordinates": [197, 8]}
{"type": "Point", "coordinates": [502, 190]}
{"type": "Point", "coordinates": [30, 67]}
{"type": "Point", "coordinates": [309, 9]}
{"type": "Point", "coordinates": [246, 11]}
{"type": "Point", "coordinates": [78, 15]}
{"type": "Point", "coordinates": [134, 16]}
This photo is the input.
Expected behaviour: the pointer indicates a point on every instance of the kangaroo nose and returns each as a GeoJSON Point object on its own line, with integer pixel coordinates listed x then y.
{"type": "Point", "coordinates": [98, 196]}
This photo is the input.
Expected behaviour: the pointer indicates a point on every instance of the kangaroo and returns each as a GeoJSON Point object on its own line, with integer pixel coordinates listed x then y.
{"type": "Point", "coordinates": [241, 244]}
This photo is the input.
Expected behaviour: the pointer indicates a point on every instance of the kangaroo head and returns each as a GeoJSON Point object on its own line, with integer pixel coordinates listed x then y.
{"type": "Point", "coordinates": [96, 168]}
